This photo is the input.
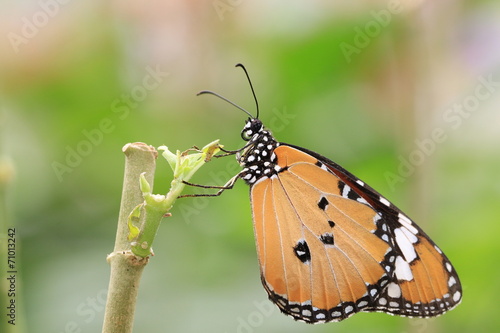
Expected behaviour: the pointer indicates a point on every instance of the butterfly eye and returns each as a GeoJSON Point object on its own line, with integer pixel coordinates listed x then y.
{"type": "Point", "coordinates": [247, 134]}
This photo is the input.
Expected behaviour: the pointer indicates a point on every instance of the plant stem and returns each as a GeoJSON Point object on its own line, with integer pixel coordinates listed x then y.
{"type": "Point", "coordinates": [135, 238]}
{"type": "Point", "coordinates": [126, 268]}
{"type": "Point", "coordinates": [155, 206]}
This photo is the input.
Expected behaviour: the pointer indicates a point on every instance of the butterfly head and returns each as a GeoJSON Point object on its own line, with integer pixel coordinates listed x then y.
{"type": "Point", "coordinates": [252, 126]}
{"type": "Point", "coordinates": [257, 157]}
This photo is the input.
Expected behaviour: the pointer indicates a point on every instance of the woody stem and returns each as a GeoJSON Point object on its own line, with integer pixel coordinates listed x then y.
{"type": "Point", "coordinates": [126, 268]}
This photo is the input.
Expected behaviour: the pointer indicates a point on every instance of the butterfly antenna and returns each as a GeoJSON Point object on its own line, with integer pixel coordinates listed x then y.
{"type": "Point", "coordinates": [251, 87]}
{"type": "Point", "coordinates": [225, 99]}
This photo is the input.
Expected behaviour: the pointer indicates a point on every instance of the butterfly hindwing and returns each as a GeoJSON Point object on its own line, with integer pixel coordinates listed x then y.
{"type": "Point", "coordinates": [330, 246]}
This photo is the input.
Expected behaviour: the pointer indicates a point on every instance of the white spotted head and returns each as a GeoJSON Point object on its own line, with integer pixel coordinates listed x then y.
{"type": "Point", "coordinates": [252, 126]}
{"type": "Point", "coordinates": [257, 157]}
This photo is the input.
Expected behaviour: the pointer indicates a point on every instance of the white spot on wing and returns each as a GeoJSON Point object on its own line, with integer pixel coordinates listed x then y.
{"type": "Point", "coordinates": [362, 304]}
{"type": "Point", "coordinates": [451, 281]}
{"type": "Point", "coordinates": [405, 245]}
{"type": "Point", "coordinates": [456, 296]}
{"type": "Point", "coordinates": [411, 237]}
{"type": "Point", "coordinates": [385, 201]}
{"type": "Point", "coordinates": [407, 223]}
{"type": "Point", "coordinates": [345, 191]}
{"type": "Point", "coordinates": [403, 270]}
{"type": "Point", "coordinates": [363, 201]}
{"type": "Point", "coordinates": [393, 290]}
{"type": "Point", "coordinates": [360, 182]}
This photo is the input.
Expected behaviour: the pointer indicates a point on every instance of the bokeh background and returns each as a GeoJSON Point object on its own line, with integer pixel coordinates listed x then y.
{"type": "Point", "coordinates": [405, 94]}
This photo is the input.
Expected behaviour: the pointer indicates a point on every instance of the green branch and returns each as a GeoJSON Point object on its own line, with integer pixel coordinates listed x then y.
{"type": "Point", "coordinates": [140, 215]}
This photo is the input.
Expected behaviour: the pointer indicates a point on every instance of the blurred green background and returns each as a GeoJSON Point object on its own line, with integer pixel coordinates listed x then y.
{"type": "Point", "coordinates": [404, 94]}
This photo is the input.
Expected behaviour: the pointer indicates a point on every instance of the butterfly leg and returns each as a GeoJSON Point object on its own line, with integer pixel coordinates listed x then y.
{"type": "Point", "coordinates": [229, 185]}
{"type": "Point", "coordinates": [226, 152]}
{"type": "Point", "coordinates": [229, 153]}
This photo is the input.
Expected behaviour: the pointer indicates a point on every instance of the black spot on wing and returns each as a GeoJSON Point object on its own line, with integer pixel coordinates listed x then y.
{"type": "Point", "coordinates": [341, 186]}
{"type": "Point", "coordinates": [302, 252]}
{"type": "Point", "coordinates": [347, 192]}
{"type": "Point", "coordinates": [327, 238]}
{"type": "Point", "coordinates": [322, 203]}
{"type": "Point", "coordinates": [331, 223]}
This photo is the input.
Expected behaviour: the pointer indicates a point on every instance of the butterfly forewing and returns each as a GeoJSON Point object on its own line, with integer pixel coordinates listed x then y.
{"type": "Point", "coordinates": [424, 283]}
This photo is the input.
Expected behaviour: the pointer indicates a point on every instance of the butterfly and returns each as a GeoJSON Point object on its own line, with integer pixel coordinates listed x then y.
{"type": "Point", "coordinates": [329, 245]}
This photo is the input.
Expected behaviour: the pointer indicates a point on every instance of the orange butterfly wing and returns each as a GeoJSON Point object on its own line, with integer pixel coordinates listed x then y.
{"type": "Point", "coordinates": [330, 246]}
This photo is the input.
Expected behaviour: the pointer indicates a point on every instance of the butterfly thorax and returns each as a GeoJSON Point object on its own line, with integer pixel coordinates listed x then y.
{"type": "Point", "coordinates": [257, 157]}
